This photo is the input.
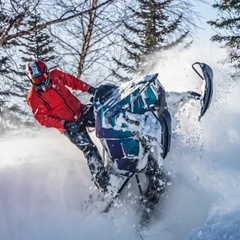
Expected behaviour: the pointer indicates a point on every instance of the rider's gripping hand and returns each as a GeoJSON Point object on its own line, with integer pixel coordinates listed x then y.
{"type": "Point", "coordinates": [92, 90]}
{"type": "Point", "coordinates": [71, 126]}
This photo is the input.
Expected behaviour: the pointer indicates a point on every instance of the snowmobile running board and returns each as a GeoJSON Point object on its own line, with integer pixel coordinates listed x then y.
{"type": "Point", "coordinates": [208, 89]}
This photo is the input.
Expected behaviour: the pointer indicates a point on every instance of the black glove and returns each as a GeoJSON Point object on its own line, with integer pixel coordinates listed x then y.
{"type": "Point", "coordinates": [92, 90]}
{"type": "Point", "coordinates": [71, 126]}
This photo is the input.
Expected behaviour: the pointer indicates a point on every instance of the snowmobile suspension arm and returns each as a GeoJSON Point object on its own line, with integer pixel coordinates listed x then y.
{"type": "Point", "coordinates": [139, 185]}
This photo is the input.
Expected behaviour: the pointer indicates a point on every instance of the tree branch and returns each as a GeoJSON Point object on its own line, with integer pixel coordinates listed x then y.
{"type": "Point", "coordinates": [5, 37]}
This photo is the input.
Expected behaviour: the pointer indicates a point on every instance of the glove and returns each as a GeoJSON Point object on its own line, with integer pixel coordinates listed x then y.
{"type": "Point", "coordinates": [71, 126]}
{"type": "Point", "coordinates": [92, 90]}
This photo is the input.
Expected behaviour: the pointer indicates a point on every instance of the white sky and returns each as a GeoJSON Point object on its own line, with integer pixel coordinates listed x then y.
{"type": "Point", "coordinates": [208, 13]}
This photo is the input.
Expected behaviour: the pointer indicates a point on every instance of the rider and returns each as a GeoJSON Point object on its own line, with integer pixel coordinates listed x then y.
{"type": "Point", "coordinates": [53, 105]}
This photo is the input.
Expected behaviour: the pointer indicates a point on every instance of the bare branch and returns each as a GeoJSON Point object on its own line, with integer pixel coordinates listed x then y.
{"type": "Point", "coordinates": [87, 38]}
{"type": "Point", "coordinates": [5, 37]}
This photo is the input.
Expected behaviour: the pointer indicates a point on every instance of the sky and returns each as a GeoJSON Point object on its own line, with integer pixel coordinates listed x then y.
{"type": "Point", "coordinates": [205, 32]}
{"type": "Point", "coordinates": [208, 13]}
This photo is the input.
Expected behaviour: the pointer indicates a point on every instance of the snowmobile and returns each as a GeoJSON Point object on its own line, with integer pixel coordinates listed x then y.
{"type": "Point", "coordinates": [133, 124]}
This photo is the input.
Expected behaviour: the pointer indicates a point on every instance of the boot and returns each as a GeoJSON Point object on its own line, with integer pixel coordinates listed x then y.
{"type": "Point", "coordinates": [102, 180]}
{"type": "Point", "coordinates": [115, 183]}
{"type": "Point", "coordinates": [109, 183]}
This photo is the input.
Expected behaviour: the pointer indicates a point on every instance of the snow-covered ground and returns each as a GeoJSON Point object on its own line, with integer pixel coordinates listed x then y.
{"type": "Point", "coordinates": [45, 182]}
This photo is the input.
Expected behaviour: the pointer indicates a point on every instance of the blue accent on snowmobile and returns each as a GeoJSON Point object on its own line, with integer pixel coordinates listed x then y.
{"type": "Point", "coordinates": [121, 144]}
{"type": "Point", "coordinates": [208, 90]}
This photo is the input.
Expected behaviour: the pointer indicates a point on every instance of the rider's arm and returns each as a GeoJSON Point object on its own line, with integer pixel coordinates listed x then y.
{"type": "Point", "coordinates": [42, 115]}
{"type": "Point", "coordinates": [73, 82]}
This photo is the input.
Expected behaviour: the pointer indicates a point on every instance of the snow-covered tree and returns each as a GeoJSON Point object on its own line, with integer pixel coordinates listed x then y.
{"type": "Point", "coordinates": [153, 26]}
{"type": "Point", "coordinates": [37, 44]}
{"type": "Point", "coordinates": [229, 24]}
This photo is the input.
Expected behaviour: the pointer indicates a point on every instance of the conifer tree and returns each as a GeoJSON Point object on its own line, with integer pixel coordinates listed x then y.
{"type": "Point", "coordinates": [150, 30]}
{"type": "Point", "coordinates": [229, 21]}
{"type": "Point", "coordinates": [37, 44]}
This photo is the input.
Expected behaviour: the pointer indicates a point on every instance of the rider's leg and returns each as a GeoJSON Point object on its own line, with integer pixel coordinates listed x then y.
{"type": "Point", "coordinates": [83, 141]}
{"type": "Point", "coordinates": [88, 117]}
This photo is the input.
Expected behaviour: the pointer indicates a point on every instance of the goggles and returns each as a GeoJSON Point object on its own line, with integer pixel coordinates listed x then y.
{"type": "Point", "coordinates": [39, 79]}
{"type": "Point", "coordinates": [43, 84]}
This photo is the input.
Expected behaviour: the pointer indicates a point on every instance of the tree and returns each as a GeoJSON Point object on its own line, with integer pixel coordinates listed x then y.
{"type": "Point", "coordinates": [37, 44]}
{"type": "Point", "coordinates": [229, 21]}
{"type": "Point", "coordinates": [5, 88]}
{"type": "Point", "coordinates": [14, 27]}
{"type": "Point", "coordinates": [89, 40]}
{"type": "Point", "coordinates": [4, 65]}
{"type": "Point", "coordinates": [154, 26]}
{"type": "Point", "coordinates": [5, 60]}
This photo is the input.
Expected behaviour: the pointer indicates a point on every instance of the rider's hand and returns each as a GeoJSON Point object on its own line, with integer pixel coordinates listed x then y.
{"type": "Point", "coordinates": [71, 126]}
{"type": "Point", "coordinates": [92, 90]}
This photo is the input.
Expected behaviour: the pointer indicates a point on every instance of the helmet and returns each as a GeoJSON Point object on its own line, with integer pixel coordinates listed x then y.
{"type": "Point", "coordinates": [38, 74]}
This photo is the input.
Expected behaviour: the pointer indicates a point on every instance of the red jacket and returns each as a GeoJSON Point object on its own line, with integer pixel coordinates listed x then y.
{"type": "Point", "coordinates": [57, 103]}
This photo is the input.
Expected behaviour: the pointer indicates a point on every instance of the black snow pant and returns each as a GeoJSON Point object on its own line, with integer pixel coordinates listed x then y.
{"type": "Point", "coordinates": [83, 141]}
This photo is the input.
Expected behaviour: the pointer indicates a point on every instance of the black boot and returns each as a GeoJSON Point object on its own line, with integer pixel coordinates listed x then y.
{"type": "Point", "coordinates": [102, 180]}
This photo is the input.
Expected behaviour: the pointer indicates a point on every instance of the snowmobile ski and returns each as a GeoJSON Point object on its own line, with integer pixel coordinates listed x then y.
{"type": "Point", "coordinates": [207, 77]}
